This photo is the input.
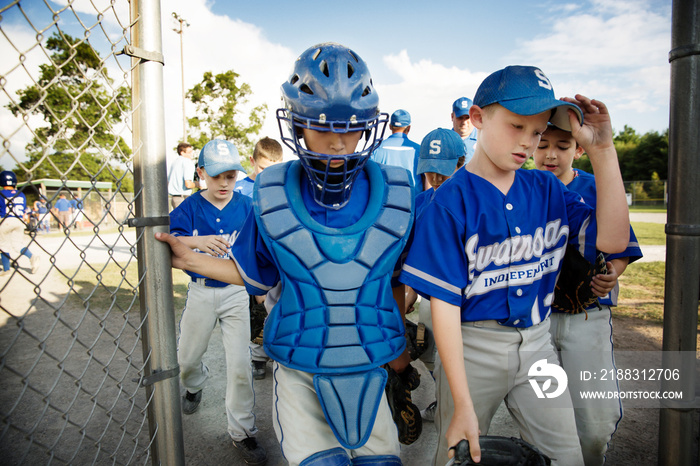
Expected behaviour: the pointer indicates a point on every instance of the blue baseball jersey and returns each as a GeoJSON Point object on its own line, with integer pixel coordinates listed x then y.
{"type": "Point", "coordinates": [12, 203]}
{"type": "Point", "coordinates": [245, 186]}
{"type": "Point", "coordinates": [584, 184]}
{"type": "Point", "coordinates": [469, 144]}
{"type": "Point", "coordinates": [196, 216]}
{"type": "Point", "coordinates": [497, 256]}
{"type": "Point", "coordinates": [399, 151]}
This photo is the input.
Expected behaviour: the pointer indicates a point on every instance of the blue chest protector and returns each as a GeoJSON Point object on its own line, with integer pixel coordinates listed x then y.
{"type": "Point", "coordinates": [336, 316]}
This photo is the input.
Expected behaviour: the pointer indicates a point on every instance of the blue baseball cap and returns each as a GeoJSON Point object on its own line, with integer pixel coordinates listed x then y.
{"type": "Point", "coordinates": [440, 150]}
{"type": "Point", "coordinates": [400, 118]}
{"type": "Point", "coordinates": [525, 90]}
{"type": "Point", "coordinates": [461, 106]}
{"type": "Point", "coordinates": [218, 156]}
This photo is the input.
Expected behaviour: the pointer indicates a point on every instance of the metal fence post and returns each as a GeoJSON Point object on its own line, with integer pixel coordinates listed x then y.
{"type": "Point", "coordinates": [676, 426]}
{"type": "Point", "coordinates": [150, 182]}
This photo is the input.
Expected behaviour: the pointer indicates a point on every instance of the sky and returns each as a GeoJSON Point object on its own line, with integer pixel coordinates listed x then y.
{"type": "Point", "coordinates": [422, 55]}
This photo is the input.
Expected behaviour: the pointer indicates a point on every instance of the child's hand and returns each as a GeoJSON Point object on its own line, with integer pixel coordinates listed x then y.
{"type": "Point", "coordinates": [179, 251]}
{"type": "Point", "coordinates": [212, 244]}
{"type": "Point", "coordinates": [596, 133]}
{"type": "Point", "coordinates": [602, 284]}
{"type": "Point", "coordinates": [464, 425]}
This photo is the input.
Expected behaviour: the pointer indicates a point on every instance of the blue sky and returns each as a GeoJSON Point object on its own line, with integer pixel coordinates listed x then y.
{"type": "Point", "coordinates": [422, 55]}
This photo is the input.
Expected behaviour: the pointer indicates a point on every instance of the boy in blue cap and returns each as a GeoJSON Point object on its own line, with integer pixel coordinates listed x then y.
{"type": "Point", "coordinates": [442, 152]}
{"type": "Point", "coordinates": [487, 249]}
{"type": "Point", "coordinates": [209, 223]}
{"type": "Point", "coordinates": [463, 126]}
{"type": "Point", "coordinates": [324, 244]}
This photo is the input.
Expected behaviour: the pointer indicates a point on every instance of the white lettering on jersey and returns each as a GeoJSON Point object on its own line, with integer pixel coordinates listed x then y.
{"type": "Point", "coordinates": [513, 250]}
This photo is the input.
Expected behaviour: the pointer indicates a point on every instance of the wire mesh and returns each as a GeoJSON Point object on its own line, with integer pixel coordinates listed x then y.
{"type": "Point", "coordinates": [71, 355]}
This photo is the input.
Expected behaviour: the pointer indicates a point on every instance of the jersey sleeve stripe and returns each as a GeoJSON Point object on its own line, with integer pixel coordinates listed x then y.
{"type": "Point", "coordinates": [432, 280]}
{"type": "Point", "coordinates": [250, 281]}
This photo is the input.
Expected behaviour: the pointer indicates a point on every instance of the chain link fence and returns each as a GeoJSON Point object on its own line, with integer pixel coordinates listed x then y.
{"type": "Point", "coordinates": [81, 380]}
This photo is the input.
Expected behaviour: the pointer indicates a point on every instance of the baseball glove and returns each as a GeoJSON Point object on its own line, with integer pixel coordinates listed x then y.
{"type": "Point", "coordinates": [406, 415]}
{"type": "Point", "coordinates": [416, 338]}
{"type": "Point", "coordinates": [258, 314]}
{"type": "Point", "coordinates": [573, 293]}
{"type": "Point", "coordinates": [500, 451]}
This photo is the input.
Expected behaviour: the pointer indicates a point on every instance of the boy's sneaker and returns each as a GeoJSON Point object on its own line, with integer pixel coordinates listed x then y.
{"type": "Point", "coordinates": [250, 451]}
{"type": "Point", "coordinates": [428, 414]}
{"type": "Point", "coordinates": [34, 260]}
{"type": "Point", "coordinates": [259, 369]}
{"type": "Point", "coordinates": [190, 402]}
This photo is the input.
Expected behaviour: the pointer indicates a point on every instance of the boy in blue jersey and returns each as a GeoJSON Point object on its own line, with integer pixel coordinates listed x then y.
{"type": "Point", "coordinates": [487, 249]}
{"type": "Point", "coordinates": [324, 245]}
{"type": "Point", "coordinates": [585, 339]}
{"type": "Point", "coordinates": [13, 208]}
{"type": "Point", "coordinates": [209, 223]}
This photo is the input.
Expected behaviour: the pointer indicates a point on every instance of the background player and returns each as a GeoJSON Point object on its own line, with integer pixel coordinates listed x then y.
{"type": "Point", "coordinates": [585, 340]}
{"type": "Point", "coordinates": [442, 152]}
{"type": "Point", "coordinates": [494, 259]}
{"type": "Point", "coordinates": [328, 230]}
{"type": "Point", "coordinates": [398, 149]}
{"type": "Point", "coordinates": [462, 124]}
{"type": "Point", "coordinates": [13, 207]}
{"type": "Point", "coordinates": [209, 222]}
{"type": "Point", "coordinates": [267, 152]}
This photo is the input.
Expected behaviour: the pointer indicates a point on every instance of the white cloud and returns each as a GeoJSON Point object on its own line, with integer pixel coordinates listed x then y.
{"type": "Point", "coordinates": [426, 90]}
{"type": "Point", "coordinates": [217, 44]}
{"type": "Point", "coordinates": [616, 52]}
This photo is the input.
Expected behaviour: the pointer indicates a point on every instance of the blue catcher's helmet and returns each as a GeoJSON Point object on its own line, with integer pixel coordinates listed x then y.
{"type": "Point", "coordinates": [330, 89]}
{"type": "Point", "coordinates": [8, 178]}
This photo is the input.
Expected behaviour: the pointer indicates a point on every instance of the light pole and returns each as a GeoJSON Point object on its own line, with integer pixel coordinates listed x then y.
{"type": "Point", "coordinates": [182, 22]}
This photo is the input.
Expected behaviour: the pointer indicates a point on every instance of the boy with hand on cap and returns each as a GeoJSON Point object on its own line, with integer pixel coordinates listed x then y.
{"type": "Point", "coordinates": [462, 124]}
{"type": "Point", "coordinates": [397, 149]}
{"type": "Point", "coordinates": [490, 246]}
{"type": "Point", "coordinates": [209, 222]}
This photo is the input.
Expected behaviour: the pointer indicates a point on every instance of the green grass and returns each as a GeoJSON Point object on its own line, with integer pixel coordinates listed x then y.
{"type": "Point", "coordinates": [642, 292]}
{"type": "Point", "coordinates": [114, 286]}
{"type": "Point", "coordinates": [648, 209]}
{"type": "Point", "coordinates": [650, 234]}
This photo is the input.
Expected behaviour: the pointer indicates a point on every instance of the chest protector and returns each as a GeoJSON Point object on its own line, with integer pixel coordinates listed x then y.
{"type": "Point", "coordinates": [336, 316]}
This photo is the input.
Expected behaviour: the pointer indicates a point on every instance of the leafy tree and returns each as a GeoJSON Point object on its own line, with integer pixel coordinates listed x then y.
{"type": "Point", "coordinates": [640, 157]}
{"type": "Point", "coordinates": [218, 100]}
{"type": "Point", "coordinates": [76, 97]}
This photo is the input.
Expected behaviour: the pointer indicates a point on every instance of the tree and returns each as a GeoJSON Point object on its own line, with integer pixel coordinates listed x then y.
{"type": "Point", "coordinates": [76, 97]}
{"type": "Point", "coordinates": [640, 157]}
{"type": "Point", "coordinates": [218, 100]}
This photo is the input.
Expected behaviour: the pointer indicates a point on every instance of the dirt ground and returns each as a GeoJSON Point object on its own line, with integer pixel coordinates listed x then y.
{"type": "Point", "coordinates": [54, 385]}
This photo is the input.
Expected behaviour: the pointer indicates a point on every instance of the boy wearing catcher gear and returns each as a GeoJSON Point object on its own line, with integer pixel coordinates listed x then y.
{"type": "Point", "coordinates": [324, 244]}
{"type": "Point", "coordinates": [499, 234]}
{"type": "Point", "coordinates": [209, 222]}
{"type": "Point", "coordinates": [585, 339]}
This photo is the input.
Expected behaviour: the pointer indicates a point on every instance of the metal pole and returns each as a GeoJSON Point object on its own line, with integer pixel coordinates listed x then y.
{"type": "Point", "coordinates": [676, 423]}
{"type": "Point", "coordinates": [161, 369]}
{"type": "Point", "coordinates": [180, 30]}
